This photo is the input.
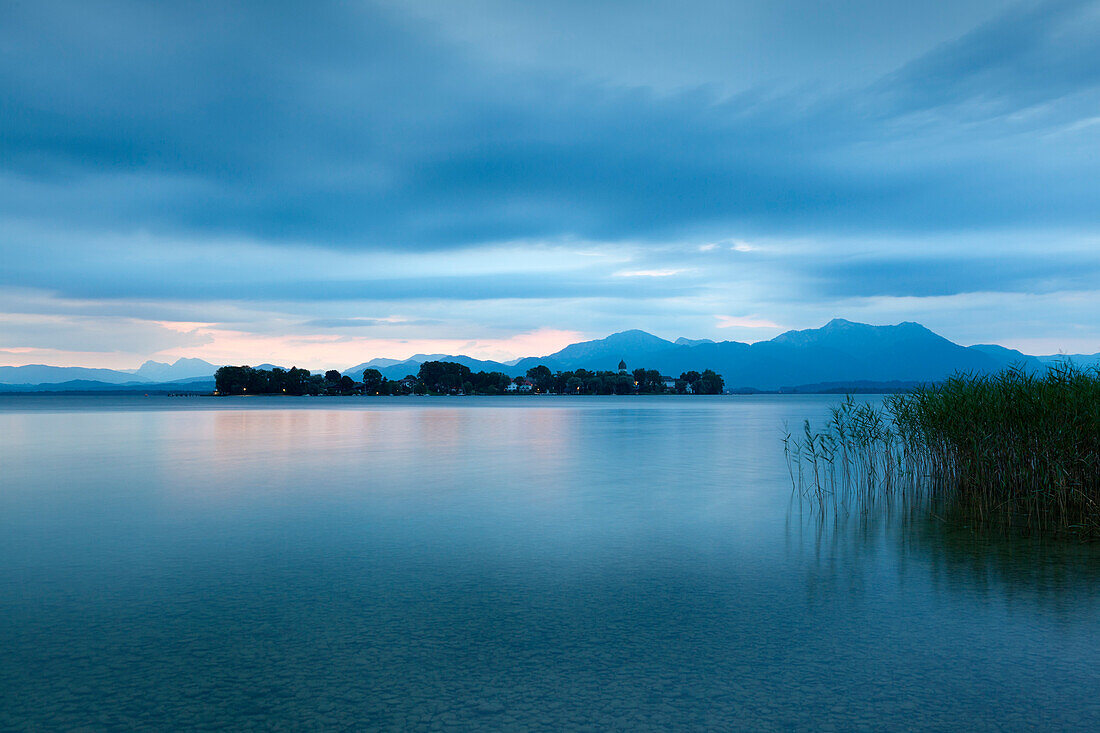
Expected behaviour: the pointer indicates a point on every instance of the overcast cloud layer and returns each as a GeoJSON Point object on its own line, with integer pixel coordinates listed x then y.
{"type": "Point", "coordinates": [329, 182]}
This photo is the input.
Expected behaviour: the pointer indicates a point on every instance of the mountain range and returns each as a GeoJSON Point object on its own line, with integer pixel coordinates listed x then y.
{"type": "Point", "coordinates": [151, 372]}
{"type": "Point", "coordinates": [838, 353]}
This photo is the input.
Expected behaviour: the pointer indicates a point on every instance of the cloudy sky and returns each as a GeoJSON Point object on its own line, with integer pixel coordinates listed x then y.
{"type": "Point", "coordinates": [322, 183]}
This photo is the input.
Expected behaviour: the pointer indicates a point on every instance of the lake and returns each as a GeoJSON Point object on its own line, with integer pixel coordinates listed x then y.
{"type": "Point", "coordinates": [530, 563]}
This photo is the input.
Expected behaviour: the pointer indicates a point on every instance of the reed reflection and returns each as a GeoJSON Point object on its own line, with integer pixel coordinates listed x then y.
{"type": "Point", "coordinates": [847, 550]}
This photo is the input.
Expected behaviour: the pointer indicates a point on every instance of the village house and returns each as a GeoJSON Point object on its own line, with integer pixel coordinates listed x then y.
{"type": "Point", "coordinates": [525, 385]}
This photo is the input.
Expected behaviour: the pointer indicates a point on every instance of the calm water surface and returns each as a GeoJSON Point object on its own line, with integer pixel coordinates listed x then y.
{"type": "Point", "coordinates": [506, 564]}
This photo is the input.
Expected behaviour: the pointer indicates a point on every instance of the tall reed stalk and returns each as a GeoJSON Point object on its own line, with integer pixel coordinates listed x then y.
{"type": "Point", "coordinates": [1014, 451]}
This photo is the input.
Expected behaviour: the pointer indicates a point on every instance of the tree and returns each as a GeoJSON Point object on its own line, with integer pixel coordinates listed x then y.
{"type": "Point", "coordinates": [298, 382]}
{"type": "Point", "coordinates": [487, 383]}
{"type": "Point", "coordinates": [709, 383]}
{"type": "Point", "coordinates": [246, 380]}
{"type": "Point", "coordinates": [372, 381]}
{"type": "Point", "coordinates": [234, 380]}
{"type": "Point", "coordinates": [541, 376]}
{"type": "Point", "coordinates": [406, 385]}
{"type": "Point", "coordinates": [622, 384]}
{"type": "Point", "coordinates": [443, 377]}
{"type": "Point", "coordinates": [653, 381]}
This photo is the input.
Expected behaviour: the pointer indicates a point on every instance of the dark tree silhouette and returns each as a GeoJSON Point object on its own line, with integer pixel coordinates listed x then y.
{"type": "Point", "coordinates": [542, 377]}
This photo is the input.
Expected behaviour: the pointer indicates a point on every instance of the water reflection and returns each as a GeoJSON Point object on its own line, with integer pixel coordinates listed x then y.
{"type": "Point", "coordinates": [534, 564]}
{"type": "Point", "coordinates": [849, 550]}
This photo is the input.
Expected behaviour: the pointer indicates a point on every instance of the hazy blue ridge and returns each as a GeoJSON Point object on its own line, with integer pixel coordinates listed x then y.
{"type": "Point", "coordinates": [840, 352]}
{"type": "Point", "coordinates": [42, 374]}
{"type": "Point", "coordinates": [633, 347]}
{"type": "Point", "coordinates": [856, 387]}
{"type": "Point", "coordinates": [1081, 360]}
{"type": "Point", "coordinates": [201, 385]}
{"type": "Point", "coordinates": [356, 371]}
{"type": "Point", "coordinates": [158, 371]}
{"type": "Point", "coordinates": [399, 369]}
{"type": "Point", "coordinates": [1012, 356]}
{"type": "Point", "coordinates": [150, 371]}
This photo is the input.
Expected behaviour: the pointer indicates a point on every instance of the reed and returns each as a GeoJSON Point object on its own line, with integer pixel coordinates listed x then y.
{"type": "Point", "coordinates": [1012, 451]}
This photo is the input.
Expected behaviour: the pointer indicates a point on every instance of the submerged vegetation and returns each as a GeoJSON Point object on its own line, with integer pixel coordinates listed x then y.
{"type": "Point", "coordinates": [1012, 451]}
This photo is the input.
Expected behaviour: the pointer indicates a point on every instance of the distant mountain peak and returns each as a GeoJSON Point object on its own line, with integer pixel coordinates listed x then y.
{"type": "Point", "coordinates": [631, 346]}
{"type": "Point", "coordinates": [837, 324]}
{"type": "Point", "coordinates": [182, 368]}
{"type": "Point", "coordinates": [633, 334]}
{"type": "Point", "coordinates": [45, 374]}
{"type": "Point", "coordinates": [845, 323]}
{"type": "Point", "coordinates": [855, 337]}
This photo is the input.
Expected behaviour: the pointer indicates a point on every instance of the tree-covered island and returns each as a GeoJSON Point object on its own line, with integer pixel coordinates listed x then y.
{"type": "Point", "coordinates": [450, 378]}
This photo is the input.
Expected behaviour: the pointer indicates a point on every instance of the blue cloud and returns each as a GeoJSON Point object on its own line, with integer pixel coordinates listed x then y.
{"type": "Point", "coordinates": [354, 127]}
{"type": "Point", "coordinates": [925, 277]}
{"type": "Point", "coordinates": [299, 134]}
{"type": "Point", "coordinates": [199, 283]}
{"type": "Point", "coordinates": [1034, 53]}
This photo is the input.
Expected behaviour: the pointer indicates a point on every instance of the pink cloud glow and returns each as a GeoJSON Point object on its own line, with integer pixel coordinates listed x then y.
{"type": "Point", "coordinates": [745, 322]}
{"type": "Point", "coordinates": [336, 350]}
